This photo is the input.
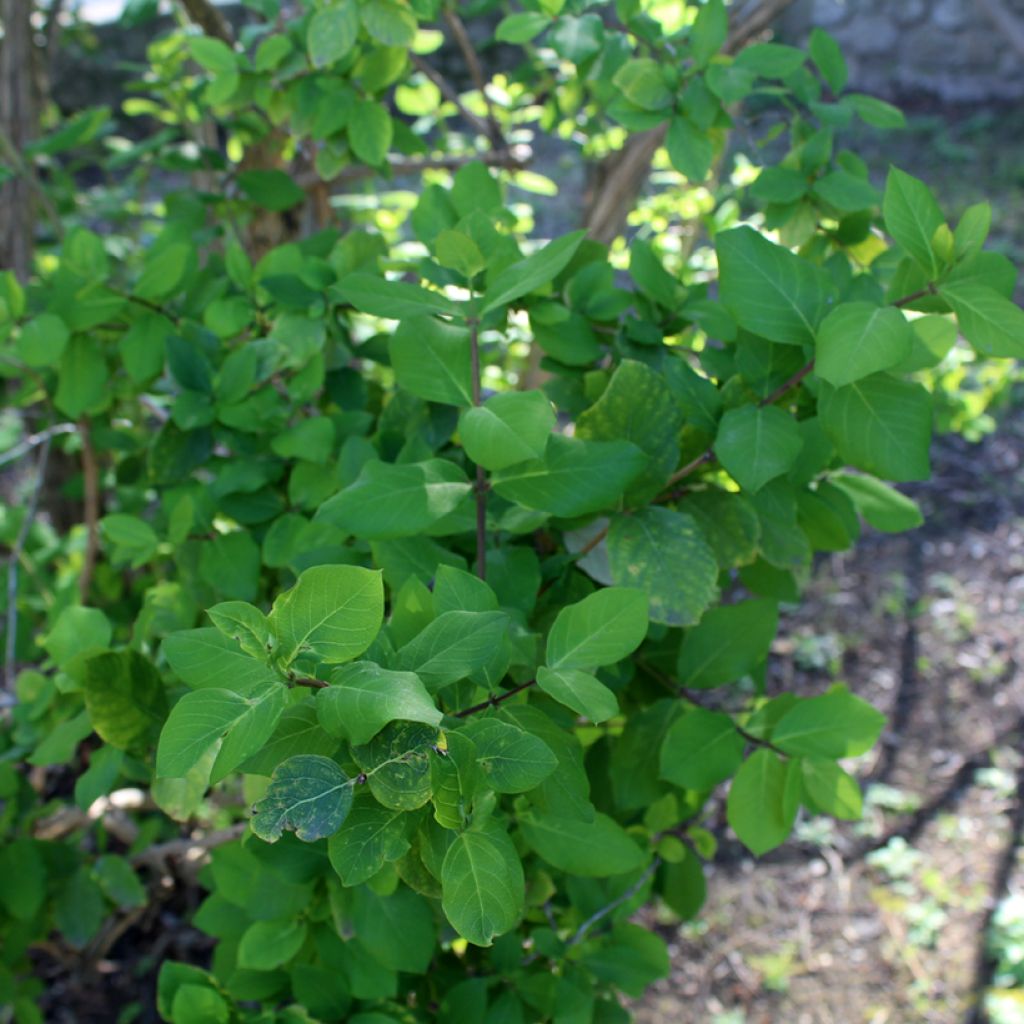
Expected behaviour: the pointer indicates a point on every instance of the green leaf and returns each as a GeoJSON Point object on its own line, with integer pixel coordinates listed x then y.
{"type": "Point", "coordinates": [453, 646]}
{"type": "Point", "coordinates": [710, 28]}
{"type": "Point", "coordinates": [398, 929]}
{"type": "Point", "coordinates": [42, 340]}
{"type": "Point", "coordinates": [642, 82]}
{"type": "Point", "coordinates": [458, 591]}
{"type": "Point", "coordinates": [508, 428]}
{"type": "Point", "coordinates": [729, 642]}
{"type": "Point", "coordinates": [762, 801]}
{"type": "Point", "coordinates": [876, 112]}
{"type": "Point", "coordinates": [212, 54]}
{"type": "Point", "coordinates": [757, 443]}
{"type": "Point", "coordinates": [881, 505]}
{"type": "Point", "coordinates": [370, 131]}
{"type": "Point", "coordinates": [431, 359]}
{"type": "Point", "coordinates": [992, 324]}
{"type": "Point", "coordinates": [596, 849]}
{"type": "Point", "coordinates": [574, 478]}
{"type": "Point", "coordinates": [599, 630]}
{"type": "Point", "coordinates": [830, 790]}
{"type": "Point", "coordinates": [332, 33]}
{"type": "Point", "coordinates": [645, 550]}
{"type": "Point", "coordinates": [333, 612]}
{"type": "Point", "coordinates": [972, 230]}
{"type": "Point", "coordinates": [771, 60]}
{"type": "Point", "coordinates": [308, 794]}
{"type": "Point", "coordinates": [521, 27]}
{"type": "Point", "coordinates": [82, 379]}
{"type": "Point", "coordinates": [513, 760]}
{"type": "Point", "coordinates": [371, 837]}
{"type": "Point", "coordinates": [22, 878]}
{"type": "Point", "coordinates": [482, 885]}
{"type": "Point", "coordinates": [701, 750]}
{"type": "Point", "coordinates": [580, 691]}
{"type": "Point", "coordinates": [828, 59]}
{"type": "Point", "coordinates": [266, 945]}
{"type": "Point", "coordinates": [119, 882]}
{"type": "Point", "coordinates": [389, 22]}
{"type": "Point", "coordinates": [125, 698]}
{"type": "Point", "coordinates": [690, 150]}
{"type": "Point", "coordinates": [217, 720]}
{"type": "Point", "coordinates": [459, 252]}
{"type": "Point", "coordinates": [397, 763]}
{"type": "Point", "coordinates": [858, 339]}
{"type": "Point", "coordinates": [206, 658]}
{"type": "Point", "coordinates": [364, 697]}
{"type": "Point", "coordinates": [388, 501]}
{"type": "Point", "coordinates": [395, 300]}
{"type": "Point", "coordinates": [273, 190]}
{"type": "Point", "coordinates": [912, 217]}
{"type": "Point", "coordinates": [834, 725]}
{"type": "Point", "coordinates": [77, 630]}
{"type": "Point", "coordinates": [768, 289]}
{"type": "Point", "coordinates": [729, 524]}
{"type": "Point", "coordinates": [527, 275]}
{"type": "Point", "coordinates": [631, 958]}
{"type": "Point", "coordinates": [881, 425]}
{"type": "Point", "coordinates": [245, 624]}
{"type": "Point", "coordinates": [297, 731]}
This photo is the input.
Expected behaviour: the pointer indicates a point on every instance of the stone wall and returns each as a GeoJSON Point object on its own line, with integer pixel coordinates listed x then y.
{"type": "Point", "coordinates": [949, 50]}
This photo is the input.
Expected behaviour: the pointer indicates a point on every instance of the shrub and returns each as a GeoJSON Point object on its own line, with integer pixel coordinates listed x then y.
{"type": "Point", "coordinates": [438, 567]}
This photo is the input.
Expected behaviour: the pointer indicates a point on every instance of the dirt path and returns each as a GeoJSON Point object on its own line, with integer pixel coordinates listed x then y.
{"type": "Point", "coordinates": [882, 922]}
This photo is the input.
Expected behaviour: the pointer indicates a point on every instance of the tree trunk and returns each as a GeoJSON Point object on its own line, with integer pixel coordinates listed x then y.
{"type": "Point", "coordinates": [18, 123]}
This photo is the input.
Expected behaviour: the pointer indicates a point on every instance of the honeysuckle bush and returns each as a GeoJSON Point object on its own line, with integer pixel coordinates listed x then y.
{"type": "Point", "coordinates": [446, 654]}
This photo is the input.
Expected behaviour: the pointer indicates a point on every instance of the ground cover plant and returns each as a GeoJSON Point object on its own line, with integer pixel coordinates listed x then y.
{"type": "Point", "coordinates": [408, 576]}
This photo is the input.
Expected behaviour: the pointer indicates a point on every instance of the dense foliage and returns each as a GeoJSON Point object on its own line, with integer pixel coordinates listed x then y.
{"type": "Point", "coordinates": [427, 574]}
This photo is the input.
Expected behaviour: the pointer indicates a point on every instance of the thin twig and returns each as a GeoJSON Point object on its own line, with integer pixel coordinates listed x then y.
{"type": "Point", "coordinates": [476, 72]}
{"type": "Point", "coordinates": [34, 440]}
{"type": "Point", "coordinates": [22, 167]}
{"type": "Point", "coordinates": [91, 509]}
{"type": "Point", "coordinates": [494, 701]}
{"type": "Point", "coordinates": [581, 933]}
{"type": "Point", "coordinates": [450, 93]}
{"type": "Point", "coordinates": [191, 850]}
{"type": "Point", "coordinates": [12, 568]}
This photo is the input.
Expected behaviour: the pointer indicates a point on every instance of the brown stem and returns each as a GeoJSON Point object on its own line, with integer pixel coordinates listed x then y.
{"type": "Point", "coordinates": [91, 508]}
{"type": "Point", "coordinates": [313, 684]}
{"type": "Point", "coordinates": [494, 701]}
{"type": "Point", "coordinates": [465, 44]}
{"type": "Point", "coordinates": [450, 93]}
{"type": "Point", "coordinates": [209, 19]}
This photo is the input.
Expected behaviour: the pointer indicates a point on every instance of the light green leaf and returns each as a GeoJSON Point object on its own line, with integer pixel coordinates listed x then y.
{"type": "Point", "coordinates": [574, 478]}
{"type": "Point", "coordinates": [834, 725]}
{"type": "Point", "coordinates": [757, 443]}
{"type": "Point", "coordinates": [690, 150]}
{"type": "Point", "coordinates": [332, 33]}
{"type": "Point", "coordinates": [768, 289]}
{"type": "Point", "coordinates": [370, 130]}
{"type": "Point", "coordinates": [729, 641]}
{"type": "Point", "coordinates": [709, 31]}
{"type": "Point", "coordinates": [364, 697]}
{"type": "Point", "coordinates": [333, 612]}
{"type": "Point", "coordinates": [884, 507]}
{"type": "Point", "coordinates": [527, 275]}
{"type": "Point", "coordinates": [829, 60]}
{"type": "Point", "coordinates": [513, 760]}
{"type": "Point", "coordinates": [453, 646]}
{"type": "Point", "coordinates": [206, 658]}
{"type": "Point", "coordinates": [215, 719]}
{"type": "Point", "coordinates": [599, 630]}
{"type": "Point", "coordinates": [642, 81]}
{"type": "Point", "coordinates": [830, 790]}
{"type": "Point", "coordinates": [763, 800]}
{"type": "Point", "coordinates": [125, 698]}
{"type": "Point", "coordinates": [388, 501]}
{"type": "Point", "coordinates": [76, 630]}
{"type": "Point", "coordinates": [912, 217]}
{"type": "Point", "coordinates": [596, 849]}
{"type": "Point", "coordinates": [580, 691]}
{"type": "Point", "coordinates": [395, 300]}
{"type": "Point", "coordinates": [482, 885]}
{"type": "Point", "coordinates": [390, 23]}
{"type": "Point", "coordinates": [701, 750]}
{"type": "Point", "coordinates": [371, 837]}
{"type": "Point", "coordinates": [665, 554]}
{"type": "Point", "coordinates": [992, 324]}
{"type": "Point", "coordinates": [309, 795]}
{"type": "Point", "coordinates": [881, 425]}
{"type": "Point", "coordinates": [246, 625]}
{"type": "Point", "coordinates": [972, 230]}
{"type": "Point", "coordinates": [508, 428]}
{"type": "Point", "coordinates": [431, 359]}
{"type": "Point", "coordinates": [42, 340]}
{"type": "Point", "coordinates": [521, 27]}
{"type": "Point", "coordinates": [857, 339]}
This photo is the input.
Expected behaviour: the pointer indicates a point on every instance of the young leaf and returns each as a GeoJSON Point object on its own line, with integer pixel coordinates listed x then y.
{"type": "Point", "coordinates": [580, 691]}
{"type": "Point", "coordinates": [728, 642]}
{"type": "Point", "coordinates": [599, 630]}
{"type": "Point", "coordinates": [757, 444]}
{"type": "Point", "coordinates": [762, 801]}
{"type": "Point", "coordinates": [507, 429]}
{"type": "Point", "coordinates": [912, 217]}
{"type": "Point", "coordinates": [309, 795]}
{"type": "Point", "coordinates": [830, 790]}
{"type": "Point", "coordinates": [244, 624]}
{"type": "Point", "coordinates": [388, 501]}
{"type": "Point", "coordinates": [363, 698]}
{"type": "Point", "coordinates": [884, 507]}
{"type": "Point", "coordinates": [482, 885]}
{"type": "Point", "coordinates": [834, 725]}
{"type": "Point", "coordinates": [527, 275]}
{"type": "Point", "coordinates": [431, 359]}
{"type": "Point", "coordinates": [701, 750]}
{"type": "Point", "coordinates": [768, 289]}
{"type": "Point", "coordinates": [204, 658]}
{"type": "Point", "coordinates": [645, 550]}
{"type": "Point", "coordinates": [858, 339]}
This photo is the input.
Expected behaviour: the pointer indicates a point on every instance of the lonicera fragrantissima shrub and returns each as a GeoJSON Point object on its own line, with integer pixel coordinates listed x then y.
{"type": "Point", "coordinates": [473, 649]}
